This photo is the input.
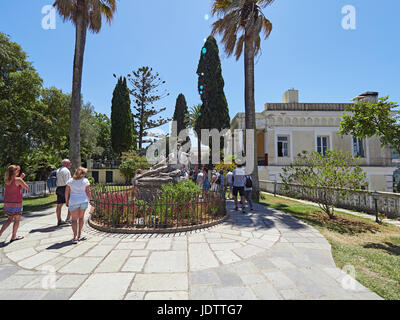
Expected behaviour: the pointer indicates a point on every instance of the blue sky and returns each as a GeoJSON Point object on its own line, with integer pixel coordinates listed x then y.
{"type": "Point", "coordinates": [307, 50]}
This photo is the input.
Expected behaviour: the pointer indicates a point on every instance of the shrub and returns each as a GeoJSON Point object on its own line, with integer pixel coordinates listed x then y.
{"type": "Point", "coordinates": [324, 178]}
{"type": "Point", "coordinates": [130, 163]}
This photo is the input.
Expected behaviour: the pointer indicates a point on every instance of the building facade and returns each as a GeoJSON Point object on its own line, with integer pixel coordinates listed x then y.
{"type": "Point", "coordinates": [288, 128]}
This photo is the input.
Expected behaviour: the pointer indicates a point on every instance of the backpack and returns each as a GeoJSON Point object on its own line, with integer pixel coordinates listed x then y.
{"type": "Point", "coordinates": [249, 182]}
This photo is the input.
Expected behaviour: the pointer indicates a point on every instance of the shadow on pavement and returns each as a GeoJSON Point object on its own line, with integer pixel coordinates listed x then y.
{"type": "Point", "coordinates": [261, 218]}
{"type": "Point", "coordinates": [48, 229]}
{"type": "Point", "coordinates": [61, 245]}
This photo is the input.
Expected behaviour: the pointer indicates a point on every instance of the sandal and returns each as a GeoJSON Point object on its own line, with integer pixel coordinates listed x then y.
{"type": "Point", "coordinates": [74, 241]}
{"type": "Point", "coordinates": [16, 239]}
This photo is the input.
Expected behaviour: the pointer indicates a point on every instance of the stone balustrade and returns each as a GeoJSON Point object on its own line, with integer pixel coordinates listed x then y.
{"type": "Point", "coordinates": [361, 201]}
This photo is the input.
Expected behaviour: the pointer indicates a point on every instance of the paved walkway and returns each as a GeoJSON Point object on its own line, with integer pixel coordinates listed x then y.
{"type": "Point", "coordinates": [265, 254]}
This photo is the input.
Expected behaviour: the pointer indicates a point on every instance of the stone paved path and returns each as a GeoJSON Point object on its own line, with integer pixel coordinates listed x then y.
{"type": "Point", "coordinates": [265, 254]}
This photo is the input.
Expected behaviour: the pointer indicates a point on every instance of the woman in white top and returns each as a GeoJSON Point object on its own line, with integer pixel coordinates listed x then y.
{"type": "Point", "coordinates": [77, 196]}
{"type": "Point", "coordinates": [200, 179]}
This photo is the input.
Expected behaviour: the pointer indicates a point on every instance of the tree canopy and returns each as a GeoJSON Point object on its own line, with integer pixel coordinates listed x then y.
{"type": "Point", "coordinates": [121, 118]}
{"type": "Point", "coordinates": [35, 121]}
{"type": "Point", "coordinates": [145, 89]}
{"type": "Point", "coordinates": [324, 178]}
{"type": "Point", "coordinates": [366, 119]}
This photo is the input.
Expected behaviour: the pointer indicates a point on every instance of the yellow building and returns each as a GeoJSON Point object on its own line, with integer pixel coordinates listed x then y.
{"type": "Point", "coordinates": [105, 172]}
{"type": "Point", "coordinates": [286, 129]}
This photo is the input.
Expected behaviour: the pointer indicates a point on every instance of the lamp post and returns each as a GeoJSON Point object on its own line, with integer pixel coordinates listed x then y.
{"type": "Point", "coordinates": [375, 196]}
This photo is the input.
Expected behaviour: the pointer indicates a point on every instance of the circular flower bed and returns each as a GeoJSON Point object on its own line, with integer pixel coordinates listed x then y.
{"type": "Point", "coordinates": [174, 208]}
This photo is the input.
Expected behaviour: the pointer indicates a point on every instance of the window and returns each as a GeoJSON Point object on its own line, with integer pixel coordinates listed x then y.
{"type": "Point", "coordinates": [358, 147]}
{"type": "Point", "coordinates": [322, 145]}
{"type": "Point", "coordinates": [109, 177]}
{"type": "Point", "coordinates": [283, 147]}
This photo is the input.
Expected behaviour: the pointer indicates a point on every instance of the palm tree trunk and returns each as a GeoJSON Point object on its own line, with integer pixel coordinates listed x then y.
{"type": "Point", "coordinates": [75, 132]}
{"type": "Point", "coordinates": [250, 117]}
{"type": "Point", "coordinates": [199, 150]}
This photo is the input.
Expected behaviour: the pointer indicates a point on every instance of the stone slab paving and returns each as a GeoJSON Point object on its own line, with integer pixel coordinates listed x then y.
{"type": "Point", "coordinates": [264, 254]}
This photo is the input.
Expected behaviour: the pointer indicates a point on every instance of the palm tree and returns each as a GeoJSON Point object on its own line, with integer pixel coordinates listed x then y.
{"type": "Point", "coordinates": [193, 121]}
{"type": "Point", "coordinates": [84, 14]}
{"type": "Point", "coordinates": [244, 18]}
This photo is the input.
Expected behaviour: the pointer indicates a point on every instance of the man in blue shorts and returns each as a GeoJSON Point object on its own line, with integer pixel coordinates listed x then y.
{"type": "Point", "coordinates": [239, 180]}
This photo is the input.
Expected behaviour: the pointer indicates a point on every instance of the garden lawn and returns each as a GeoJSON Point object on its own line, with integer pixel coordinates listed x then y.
{"type": "Point", "coordinates": [34, 205]}
{"type": "Point", "coordinates": [373, 249]}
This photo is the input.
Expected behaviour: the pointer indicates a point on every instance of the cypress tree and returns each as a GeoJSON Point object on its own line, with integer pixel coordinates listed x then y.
{"type": "Point", "coordinates": [121, 118]}
{"type": "Point", "coordinates": [214, 110]}
{"type": "Point", "coordinates": [181, 114]}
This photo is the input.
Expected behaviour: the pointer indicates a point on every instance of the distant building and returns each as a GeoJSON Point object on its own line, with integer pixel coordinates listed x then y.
{"type": "Point", "coordinates": [286, 129]}
{"type": "Point", "coordinates": [105, 171]}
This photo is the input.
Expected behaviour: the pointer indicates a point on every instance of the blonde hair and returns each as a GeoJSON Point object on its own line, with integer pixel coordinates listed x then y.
{"type": "Point", "coordinates": [80, 173]}
{"type": "Point", "coordinates": [10, 173]}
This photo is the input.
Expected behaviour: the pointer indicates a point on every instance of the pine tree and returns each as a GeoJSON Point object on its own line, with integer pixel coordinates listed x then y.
{"type": "Point", "coordinates": [145, 90]}
{"type": "Point", "coordinates": [214, 110]}
{"type": "Point", "coordinates": [121, 118]}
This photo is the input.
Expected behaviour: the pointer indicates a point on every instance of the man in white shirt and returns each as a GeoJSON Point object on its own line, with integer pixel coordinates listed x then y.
{"type": "Point", "coordinates": [63, 175]}
{"type": "Point", "coordinates": [239, 180]}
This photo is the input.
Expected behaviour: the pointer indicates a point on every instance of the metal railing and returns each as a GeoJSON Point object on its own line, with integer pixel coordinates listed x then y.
{"type": "Point", "coordinates": [357, 200]}
{"type": "Point", "coordinates": [121, 207]}
{"type": "Point", "coordinates": [36, 189]}
{"type": "Point", "coordinates": [105, 164]}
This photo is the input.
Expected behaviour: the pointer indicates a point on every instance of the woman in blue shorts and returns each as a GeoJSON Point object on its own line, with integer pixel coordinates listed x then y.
{"type": "Point", "coordinates": [13, 199]}
{"type": "Point", "coordinates": [77, 196]}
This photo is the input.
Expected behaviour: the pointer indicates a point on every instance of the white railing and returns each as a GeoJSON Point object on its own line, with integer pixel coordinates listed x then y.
{"type": "Point", "coordinates": [362, 201]}
{"type": "Point", "coordinates": [36, 189]}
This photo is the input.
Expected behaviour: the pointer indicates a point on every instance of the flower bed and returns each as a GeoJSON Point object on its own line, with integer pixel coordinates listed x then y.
{"type": "Point", "coordinates": [173, 207]}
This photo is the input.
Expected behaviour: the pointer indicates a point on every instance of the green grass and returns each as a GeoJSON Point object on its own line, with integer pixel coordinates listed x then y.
{"type": "Point", "coordinates": [33, 205]}
{"type": "Point", "coordinates": [373, 249]}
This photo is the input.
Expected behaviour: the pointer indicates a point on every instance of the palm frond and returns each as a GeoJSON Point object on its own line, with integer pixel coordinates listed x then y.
{"type": "Point", "coordinates": [267, 27]}
{"type": "Point", "coordinates": [264, 3]}
{"type": "Point", "coordinates": [239, 47]}
{"type": "Point", "coordinates": [94, 11]}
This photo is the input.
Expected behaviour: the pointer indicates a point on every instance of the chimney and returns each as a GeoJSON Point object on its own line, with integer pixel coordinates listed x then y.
{"type": "Point", "coordinates": [291, 96]}
{"type": "Point", "coordinates": [369, 96]}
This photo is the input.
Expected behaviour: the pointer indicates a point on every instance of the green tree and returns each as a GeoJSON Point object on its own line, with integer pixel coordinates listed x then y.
{"type": "Point", "coordinates": [85, 15]}
{"type": "Point", "coordinates": [131, 161]}
{"type": "Point", "coordinates": [103, 127]}
{"type": "Point", "coordinates": [324, 179]}
{"type": "Point", "coordinates": [55, 127]}
{"type": "Point", "coordinates": [121, 118]}
{"type": "Point", "coordinates": [181, 114]}
{"type": "Point", "coordinates": [39, 163]}
{"type": "Point", "coordinates": [214, 111]}
{"type": "Point", "coordinates": [20, 108]}
{"type": "Point", "coordinates": [89, 132]}
{"type": "Point", "coordinates": [245, 17]}
{"type": "Point", "coordinates": [145, 91]}
{"type": "Point", "coordinates": [194, 123]}
{"type": "Point", "coordinates": [366, 119]}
